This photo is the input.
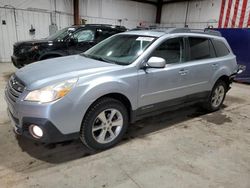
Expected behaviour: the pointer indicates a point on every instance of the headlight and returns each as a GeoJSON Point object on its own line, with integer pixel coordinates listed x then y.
{"type": "Point", "coordinates": [33, 48]}
{"type": "Point", "coordinates": [26, 49]}
{"type": "Point", "coordinates": [51, 93]}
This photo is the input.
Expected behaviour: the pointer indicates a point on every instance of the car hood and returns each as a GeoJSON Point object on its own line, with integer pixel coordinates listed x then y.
{"type": "Point", "coordinates": [43, 73]}
{"type": "Point", "coordinates": [32, 42]}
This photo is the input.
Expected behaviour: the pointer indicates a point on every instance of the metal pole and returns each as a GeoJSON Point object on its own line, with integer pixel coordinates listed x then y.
{"type": "Point", "coordinates": [76, 12]}
{"type": "Point", "coordinates": [55, 10]}
{"type": "Point", "coordinates": [187, 9]}
{"type": "Point", "coordinates": [158, 11]}
{"type": "Point", "coordinates": [15, 23]}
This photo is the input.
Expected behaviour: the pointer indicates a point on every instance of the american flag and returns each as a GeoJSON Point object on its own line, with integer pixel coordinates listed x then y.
{"type": "Point", "coordinates": [234, 14]}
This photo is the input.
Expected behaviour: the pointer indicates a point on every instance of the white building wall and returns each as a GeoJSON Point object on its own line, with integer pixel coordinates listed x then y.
{"type": "Point", "coordinates": [201, 13]}
{"type": "Point", "coordinates": [40, 13]}
{"type": "Point", "coordinates": [109, 11]}
{"type": "Point", "coordinates": [21, 14]}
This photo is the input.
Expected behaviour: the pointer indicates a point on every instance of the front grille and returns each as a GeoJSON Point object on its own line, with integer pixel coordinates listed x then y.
{"type": "Point", "coordinates": [15, 87]}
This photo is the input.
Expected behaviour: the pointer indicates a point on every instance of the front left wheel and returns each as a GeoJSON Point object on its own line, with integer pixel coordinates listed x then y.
{"type": "Point", "coordinates": [104, 124]}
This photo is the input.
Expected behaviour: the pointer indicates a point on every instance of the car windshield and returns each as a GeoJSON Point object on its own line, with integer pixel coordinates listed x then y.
{"type": "Point", "coordinates": [120, 49]}
{"type": "Point", "coordinates": [61, 34]}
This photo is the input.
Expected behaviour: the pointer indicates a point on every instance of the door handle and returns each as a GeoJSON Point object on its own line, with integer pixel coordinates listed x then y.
{"type": "Point", "coordinates": [183, 72]}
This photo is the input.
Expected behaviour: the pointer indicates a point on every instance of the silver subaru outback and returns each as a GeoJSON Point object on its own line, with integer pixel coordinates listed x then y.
{"type": "Point", "coordinates": [95, 95]}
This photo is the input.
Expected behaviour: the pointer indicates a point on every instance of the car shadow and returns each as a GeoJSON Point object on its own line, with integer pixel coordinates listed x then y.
{"type": "Point", "coordinates": [71, 150]}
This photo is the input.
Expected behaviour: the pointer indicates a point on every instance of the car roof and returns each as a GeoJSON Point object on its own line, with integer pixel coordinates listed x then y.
{"type": "Point", "coordinates": [100, 26]}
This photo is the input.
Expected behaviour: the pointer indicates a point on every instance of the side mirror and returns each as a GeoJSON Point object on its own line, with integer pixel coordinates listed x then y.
{"type": "Point", "coordinates": [72, 40]}
{"type": "Point", "coordinates": [156, 62]}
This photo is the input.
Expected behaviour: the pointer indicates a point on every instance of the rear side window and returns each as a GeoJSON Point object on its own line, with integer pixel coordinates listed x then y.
{"type": "Point", "coordinates": [104, 33]}
{"type": "Point", "coordinates": [200, 48]}
{"type": "Point", "coordinates": [220, 48]}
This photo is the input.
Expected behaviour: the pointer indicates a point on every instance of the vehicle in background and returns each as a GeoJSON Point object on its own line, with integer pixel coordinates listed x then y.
{"type": "Point", "coordinates": [68, 41]}
{"type": "Point", "coordinates": [95, 95]}
{"type": "Point", "coordinates": [239, 40]}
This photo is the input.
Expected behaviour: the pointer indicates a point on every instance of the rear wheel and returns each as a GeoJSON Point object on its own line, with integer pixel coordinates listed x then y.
{"type": "Point", "coordinates": [216, 97]}
{"type": "Point", "coordinates": [104, 124]}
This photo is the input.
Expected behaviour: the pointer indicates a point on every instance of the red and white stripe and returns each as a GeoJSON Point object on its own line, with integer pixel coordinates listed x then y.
{"type": "Point", "coordinates": [234, 14]}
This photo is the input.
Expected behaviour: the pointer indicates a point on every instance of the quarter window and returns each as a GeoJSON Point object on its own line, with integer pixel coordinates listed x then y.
{"type": "Point", "coordinates": [170, 50]}
{"type": "Point", "coordinates": [220, 48]}
{"type": "Point", "coordinates": [200, 48]}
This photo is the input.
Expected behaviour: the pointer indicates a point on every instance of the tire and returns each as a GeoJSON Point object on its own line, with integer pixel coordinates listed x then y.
{"type": "Point", "coordinates": [216, 97]}
{"type": "Point", "coordinates": [99, 131]}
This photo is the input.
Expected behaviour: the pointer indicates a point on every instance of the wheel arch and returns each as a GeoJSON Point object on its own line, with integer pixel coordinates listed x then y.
{"type": "Point", "coordinates": [120, 97]}
{"type": "Point", "coordinates": [225, 79]}
{"type": "Point", "coordinates": [222, 74]}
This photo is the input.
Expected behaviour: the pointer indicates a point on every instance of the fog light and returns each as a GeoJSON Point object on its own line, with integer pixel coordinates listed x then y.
{"type": "Point", "coordinates": [35, 131]}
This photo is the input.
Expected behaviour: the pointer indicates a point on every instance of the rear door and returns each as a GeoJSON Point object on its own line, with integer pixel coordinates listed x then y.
{"type": "Point", "coordinates": [103, 33]}
{"type": "Point", "coordinates": [201, 64]}
{"type": "Point", "coordinates": [84, 39]}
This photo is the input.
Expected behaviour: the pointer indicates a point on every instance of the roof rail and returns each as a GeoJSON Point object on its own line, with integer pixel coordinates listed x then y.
{"type": "Point", "coordinates": [212, 32]}
{"type": "Point", "coordinates": [106, 25]}
{"type": "Point", "coordinates": [187, 30]}
{"type": "Point", "coordinates": [180, 30]}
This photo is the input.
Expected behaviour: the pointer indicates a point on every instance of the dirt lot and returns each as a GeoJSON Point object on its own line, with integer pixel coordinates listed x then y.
{"type": "Point", "coordinates": [183, 148]}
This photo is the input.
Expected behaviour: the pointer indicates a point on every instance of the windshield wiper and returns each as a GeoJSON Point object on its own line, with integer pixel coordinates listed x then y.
{"type": "Point", "coordinates": [106, 60]}
{"type": "Point", "coordinates": [99, 58]}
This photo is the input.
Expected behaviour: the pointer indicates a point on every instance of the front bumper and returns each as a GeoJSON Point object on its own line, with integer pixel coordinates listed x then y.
{"type": "Point", "coordinates": [19, 61]}
{"type": "Point", "coordinates": [50, 132]}
{"type": "Point", "coordinates": [58, 120]}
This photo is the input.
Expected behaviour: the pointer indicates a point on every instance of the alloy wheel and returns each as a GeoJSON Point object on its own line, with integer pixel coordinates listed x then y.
{"type": "Point", "coordinates": [218, 96]}
{"type": "Point", "coordinates": [107, 125]}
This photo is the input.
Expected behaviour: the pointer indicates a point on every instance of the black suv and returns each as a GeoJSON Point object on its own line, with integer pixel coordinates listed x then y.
{"type": "Point", "coordinates": [68, 41]}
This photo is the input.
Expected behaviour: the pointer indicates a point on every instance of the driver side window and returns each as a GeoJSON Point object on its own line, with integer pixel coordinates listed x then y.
{"type": "Point", "coordinates": [171, 50]}
{"type": "Point", "coordinates": [84, 35]}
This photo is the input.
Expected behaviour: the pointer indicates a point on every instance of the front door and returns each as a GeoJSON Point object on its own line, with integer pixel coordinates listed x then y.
{"type": "Point", "coordinates": [157, 86]}
{"type": "Point", "coordinates": [83, 40]}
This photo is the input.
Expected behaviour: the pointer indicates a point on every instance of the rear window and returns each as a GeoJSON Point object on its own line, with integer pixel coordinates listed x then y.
{"type": "Point", "coordinates": [200, 48]}
{"type": "Point", "coordinates": [220, 48]}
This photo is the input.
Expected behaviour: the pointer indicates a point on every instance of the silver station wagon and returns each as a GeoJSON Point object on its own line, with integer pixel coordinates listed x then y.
{"type": "Point", "coordinates": [95, 95]}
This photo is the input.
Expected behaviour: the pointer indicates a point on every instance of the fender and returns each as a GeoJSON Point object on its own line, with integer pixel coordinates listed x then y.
{"type": "Point", "coordinates": [107, 85]}
{"type": "Point", "coordinates": [93, 89]}
{"type": "Point", "coordinates": [227, 67]}
{"type": "Point", "coordinates": [222, 71]}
